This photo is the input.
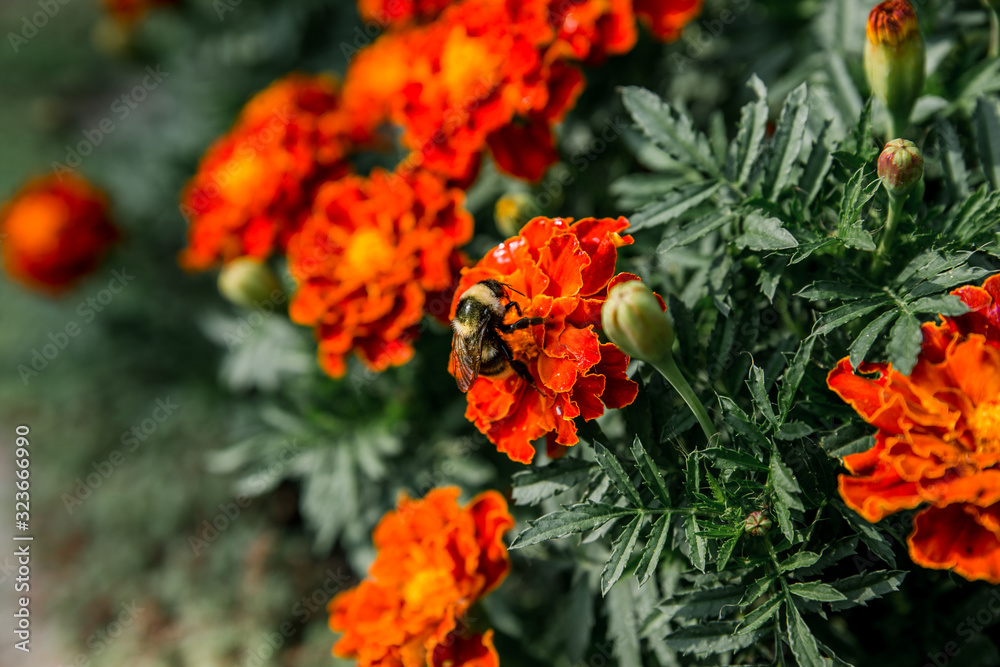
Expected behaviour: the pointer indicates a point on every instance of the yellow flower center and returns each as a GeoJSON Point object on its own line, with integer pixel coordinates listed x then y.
{"type": "Point", "coordinates": [425, 588]}
{"type": "Point", "coordinates": [368, 254]}
{"type": "Point", "coordinates": [242, 177]}
{"type": "Point", "coordinates": [35, 224]}
{"type": "Point", "coordinates": [985, 426]}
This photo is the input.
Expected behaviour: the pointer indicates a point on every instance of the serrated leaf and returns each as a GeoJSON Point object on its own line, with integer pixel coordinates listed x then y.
{"type": "Point", "coordinates": [561, 523]}
{"type": "Point", "coordinates": [977, 215]}
{"type": "Point", "coordinates": [715, 637]}
{"type": "Point", "coordinates": [671, 130]}
{"type": "Point", "coordinates": [801, 639]}
{"type": "Point", "coordinates": [621, 551]}
{"type": "Point", "coordinates": [952, 160]}
{"type": "Point", "coordinates": [704, 603]}
{"type": "Point", "coordinates": [535, 485]}
{"type": "Point", "coordinates": [696, 543]}
{"type": "Point", "coordinates": [655, 542]}
{"type": "Point", "coordinates": [987, 121]}
{"type": "Point", "coordinates": [825, 290]}
{"type": "Point", "coordinates": [861, 588]}
{"type": "Point", "coordinates": [759, 393]}
{"type": "Point", "coordinates": [793, 376]}
{"type": "Point", "coordinates": [623, 625]}
{"type": "Point", "coordinates": [857, 194]}
{"type": "Point", "coordinates": [740, 422]}
{"type": "Point", "coordinates": [612, 466]}
{"type": "Point", "coordinates": [730, 459]}
{"type": "Point", "coordinates": [650, 473]}
{"type": "Point", "coordinates": [868, 534]}
{"type": "Point", "coordinates": [755, 590]}
{"type": "Point", "coordinates": [726, 552]}
{"type": "Point", "coordinates": [694, 230]}
{"type": "Point", "coordinates": [863, 343]}
{"type": "Point", "coordinates": [949, 305]}
{"type": "Point", "coordinates": [846, 440]}
{"type": "Point", "coordinates": [787, 143]}
{"type": "Point", "coordinates": [801, 559]}
{"type": "Point", "coordinates": [760, 615]}
{"type": "Point", "coordinates": [793, 431]}
{"type": "Point", "coordinates": [750, 137]}
{"type": "Point", "coordinates": [905, 340]}
{"type": "Point", "coordinates": [841, 315]}
{"type": "Point", "coordinates": [817, 591]}
{"type": "Point", "coordinates": [763, 233]}
{"type": "Point", "coordinates": [817, 167]}
{"type": "Point", "coordinates": [672, 206]}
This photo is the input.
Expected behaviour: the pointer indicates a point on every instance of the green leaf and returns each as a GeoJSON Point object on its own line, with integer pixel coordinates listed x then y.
{"type": "Point", "coordinates": [857, 194]}
{"type": "Point", "coordinates": [740, 422]}
{"type": "Point", "coordinates": [694, 230]}
{"type": "Point", "coordinates": [760, 615]}
{"type": "Point", "coordinates": [817, 591]}
{"type": "Point", "coordinates": [730, 459]}
{"type": "Point", "coordinates": [801, 639]}
{"type": "Point", "coordinates": [696, 543]}
{"type": "Point", "coordinates": [764, 233]}
{"type": "Point", "coordinates": [670, 130]}
{"type": "Point", "coordinates": [714, 637]}
{"type": "Point", "coordinates": [623, 625]}
{"type": "Point", "coordinates": [759, 394]}
{"type": "Point", "coordinates": [726, 552]}
{"type": "Point", "coordinates": [746, 148]}
{"type": "Point", "coordinates": [654, 549]}
{"type": "Point", "coordinates": [943, 304]}
{"type": "Point", "coordinates": [787, 142]}
{"type": "Point", "coordinates": [755, 590]}
{"type": "Point", "coordinates": [848, 439]}
{"type": "Point", "coordinates": [793, 376]}
{"type": "Point", "coordinates": [621, 551]}
{"type": "Point", "coordinates": [952, 160]}
{"type": "Point", "coordinates": [613, 467]}
{"type": "Point", "coordinates": [535, 485]}
{"type": "Point", "coordinates": [863, 343]}
{"type": "Point", "coordinates": [841, 315]}
{"type": "Point", "coordinates": [817, 167]}
{"type": "Point", "coordinates": [703, 603]}
{"type": "Point", "coordinates": [977, 215]}
{"type": "Point", "coordinates": [783, 482]}
{"type": "Point", "coordinates": [801, 559]}
{"type": "Point", "coordinates": [868, 533]}
{"type": "Point", "coordinates": [826, 290]}
{"type": "Point", "coordinates": [905, 340]}
{"type": "Point", "coordinates": [650, 473]}
{"type": "Point", "coordinates": [793, 431]}
{"type": "Point", "coordinates": [576, 519]}
{"type": "Point", "coordinates": [674, 205]}
{"type": "Point", "coordinates": [987, 120]}
{"type": "Point", "coordinates": [861, 588]}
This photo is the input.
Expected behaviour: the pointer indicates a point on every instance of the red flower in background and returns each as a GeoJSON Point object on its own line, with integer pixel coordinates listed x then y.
{"type": "Point", "coordinates": [373, 256]}
{"type": "Point", "coordinates": [54, 231]}
{"type": "Point", "coordinates": [132, 11]}
{"type": "Point", "coordinates": [435, 560]}
{"type": "Point", "coordinates": [564, 270]}
{"type": "Point", "coordinates": [667, 18]}
{"type": "Point", "coordinates": [254, 187]}
{"type": "Point", "coordinates": [938, 439]}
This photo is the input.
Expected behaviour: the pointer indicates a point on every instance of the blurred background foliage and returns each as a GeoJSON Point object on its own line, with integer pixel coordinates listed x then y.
{"type": "Point", "coordinates": [313, 463]}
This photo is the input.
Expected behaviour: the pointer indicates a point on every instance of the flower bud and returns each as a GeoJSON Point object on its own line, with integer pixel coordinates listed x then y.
{"type": "Point", "coordinates": [633, 319]}
{"type": "Point", "coordinates": [248, 281]}
{"type": "Point", "coordinates": [900, 166]}
{"type": "Point", "coordinates": [512, 212]}
{"type": "Point", "coordinates": [757, 523]}
{"type": "Point", "coordinates": [895, 59]}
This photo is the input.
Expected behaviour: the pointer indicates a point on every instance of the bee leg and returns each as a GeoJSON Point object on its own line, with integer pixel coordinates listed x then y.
{"type": "Point", "coordinates": [513, 304]}
{"type": "Point", "coordinates": [519, 366]}
{"type": "Point", "coordinates": [522, 323]}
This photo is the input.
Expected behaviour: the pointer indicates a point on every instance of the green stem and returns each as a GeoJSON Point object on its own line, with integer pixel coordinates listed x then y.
{"type": "Point", "coordinates": [668, 369]}
{"type": "Point", "coordinates": [896, 203]}
{"type": "Point", "coordinates": [994, 31]}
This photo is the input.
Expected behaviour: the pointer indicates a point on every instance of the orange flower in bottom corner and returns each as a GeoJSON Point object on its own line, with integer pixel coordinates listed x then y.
{"type": "Point", "coordinates": [560, 271]}
{"type": "Point", "coordinates": [55, 231]}
{"type": "Point", "coordinates": [938, 439]}
{"type": "Point", "coordinates": [435, 560]}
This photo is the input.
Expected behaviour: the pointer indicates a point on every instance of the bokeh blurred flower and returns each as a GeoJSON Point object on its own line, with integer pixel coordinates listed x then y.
{"type": "Point", "coordinates": [129, 12]}
{"type": "Point", "coordinates": [254, 186]}
{"type": "Point", "coordinates": [435, 560]}
{"type": "Point", "coordinates": [938, 439]}
{"type": "Point", "coordinates": [563, 269]}
{"type": "Point", "coordinates": [667, 18]}
{"type": "Point", "coordinates": [374, 256]}
{"type": "Point", "coordinates": [54, 231]}
{"type": "Point", "coordinates": [248, 282]}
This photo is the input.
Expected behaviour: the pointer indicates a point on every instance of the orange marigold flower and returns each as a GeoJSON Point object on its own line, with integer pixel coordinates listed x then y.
{"type": "Point", "coordinates": [667, 18]}
{"type": "Point", "coordinates": [891, 22]}
{"type": "Point", "coordinates": [54, 231]}
{"type": "Point", "coordinates": [397, 13]}
{"type": "Point", "coordinates": [375, 254]}
{"type": "Point", "coordinates": [254, 185]}
{"type": "Point", "coordinates": [563, 270]}
{"type": "Point", "coordinates": [435, 560]}
{"type": "Point", "coordinates": [938, 439]}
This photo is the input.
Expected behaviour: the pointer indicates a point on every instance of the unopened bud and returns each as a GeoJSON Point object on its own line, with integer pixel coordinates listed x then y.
{"type": "Point", "coordinates": [757, 523]}
{"type": "Point", "coordinates": [512, 211]}
{"type": "Point", "coordinates": [247, 281]}
{"type": "Point", "coordinates": [895, 59]}
{"type": "Point", "coordinates": [633, 319]}
{"type": "Point", "coordinates": [900, 166]}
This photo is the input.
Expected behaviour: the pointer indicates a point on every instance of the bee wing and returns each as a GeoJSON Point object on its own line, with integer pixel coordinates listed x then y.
{"type": "Point", "coordinates": [466, 355]}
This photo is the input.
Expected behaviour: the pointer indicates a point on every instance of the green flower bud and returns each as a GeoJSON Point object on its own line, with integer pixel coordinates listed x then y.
{"type": "Point", "coordinates": [247, 281]}
{"type": "Point", "coordinates": [633, 319]}
{"type": "Point", "coordinates": [757, 523]}
{"type": "Point", "coordinates": [900, 166]}
{"type": "Point", "coordinates": [895, 59]}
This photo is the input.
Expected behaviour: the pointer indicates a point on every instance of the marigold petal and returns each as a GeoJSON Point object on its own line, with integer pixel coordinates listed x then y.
{"type": "Point", "coordinates": [955, 538]}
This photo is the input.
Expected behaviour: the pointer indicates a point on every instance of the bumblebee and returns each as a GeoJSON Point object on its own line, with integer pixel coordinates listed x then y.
{"type": "Point", "coordinates": [477, 347]}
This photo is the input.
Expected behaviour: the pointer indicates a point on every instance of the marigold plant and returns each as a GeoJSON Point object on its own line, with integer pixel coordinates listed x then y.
{"type": "Point", "coordinates": [54, 231]}
{"type": "Point", "coordinates": [435, 561]}
{"type": "Point", "coordinates": [561, 271]}
{"type": "Point", "coordinates": [938, 439]}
